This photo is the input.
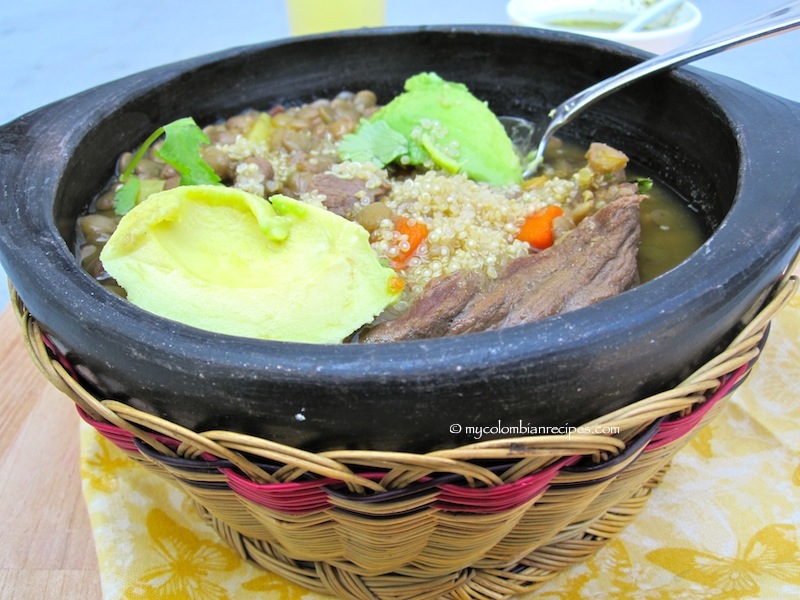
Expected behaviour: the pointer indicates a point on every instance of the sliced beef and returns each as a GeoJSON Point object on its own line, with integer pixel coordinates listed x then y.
{"type": "Point", "coordinates": [594, 261]}
{"type": "Point", "coordinates": [432, 312]}
{"type": "Point", "coordinates": [342, 194]}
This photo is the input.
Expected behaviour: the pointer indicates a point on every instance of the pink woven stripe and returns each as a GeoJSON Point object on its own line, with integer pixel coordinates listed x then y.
{"type": "Point", "coordinates": [119, 437]}
{"type": "Point", "coordinates": [125, 440]}
{"type": "Point", "coordinates": [670, 431]}
{"type": "Point", "coordinates": [311, 496]}
{"type": "Point", "coordinates": [305, 497]}
{"type": "Point", "coordinates": [292, 498]}
{"type": "Point", "coordinates": [501, 498]}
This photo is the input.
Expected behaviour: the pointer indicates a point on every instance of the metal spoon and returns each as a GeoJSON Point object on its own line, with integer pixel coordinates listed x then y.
{"type": "Point", "coordinates": [532, 138]}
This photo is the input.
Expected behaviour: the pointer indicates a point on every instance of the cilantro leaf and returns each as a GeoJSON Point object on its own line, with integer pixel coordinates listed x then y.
{"type": "Point", "coordinates": [140, 154]}
{"type": "Point", "coordinates": [645, 184]}
{"type": "Point", "coordinates": [126, 196]}
{"type": "Point", "coordinates": [181, 149]}
{"type": "Point", "coordinates": [375, 142]}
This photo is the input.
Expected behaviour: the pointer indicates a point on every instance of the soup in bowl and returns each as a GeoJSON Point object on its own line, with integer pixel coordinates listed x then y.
{"type": "Point", "coordinates": [719, 146]}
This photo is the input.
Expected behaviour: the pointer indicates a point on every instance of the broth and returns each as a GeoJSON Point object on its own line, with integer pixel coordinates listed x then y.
{"type": "Point", "coordinates": [671, 229]}
{"type": "Point", "coordinates": [671, 232]}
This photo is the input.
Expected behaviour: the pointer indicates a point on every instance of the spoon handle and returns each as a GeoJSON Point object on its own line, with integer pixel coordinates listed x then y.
{"type": "Point", "coordinates": [777, 20]}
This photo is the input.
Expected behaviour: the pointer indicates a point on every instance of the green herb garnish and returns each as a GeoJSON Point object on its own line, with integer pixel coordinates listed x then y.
{"type": "Point", "coordinates": [126, 196]}
{"type": "Point", "coordinates": [645, 184]}
{"type": "Point", "coordinates": [373, 142]}
{"type": "Point", "coordinates": [181, 149]}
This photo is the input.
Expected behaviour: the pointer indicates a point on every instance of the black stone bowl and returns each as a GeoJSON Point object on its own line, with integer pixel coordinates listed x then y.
{"type": "Point", "coordinates": [731, 150]}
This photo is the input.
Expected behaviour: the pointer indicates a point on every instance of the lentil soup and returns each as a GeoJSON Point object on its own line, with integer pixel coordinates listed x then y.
{"type": "Point", "coordinates": [424, 222]}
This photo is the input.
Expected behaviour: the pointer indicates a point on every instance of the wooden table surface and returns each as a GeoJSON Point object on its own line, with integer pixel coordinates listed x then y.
{"type": "Point", "coordinates": [47, 549]}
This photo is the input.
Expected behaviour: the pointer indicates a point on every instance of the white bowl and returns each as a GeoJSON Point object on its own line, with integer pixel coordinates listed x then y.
{"type": "Point", "coordinates": [597, 18]}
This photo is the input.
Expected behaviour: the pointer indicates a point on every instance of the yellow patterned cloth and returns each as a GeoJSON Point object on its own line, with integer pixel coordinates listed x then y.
{"type": "Point", "coordinates": [724, 524]}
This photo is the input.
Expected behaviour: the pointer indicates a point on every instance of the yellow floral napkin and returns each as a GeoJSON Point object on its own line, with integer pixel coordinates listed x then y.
{"type": "Point", "coordinates": [724, 524]}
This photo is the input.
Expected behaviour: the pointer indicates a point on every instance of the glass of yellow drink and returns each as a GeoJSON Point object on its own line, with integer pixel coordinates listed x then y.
{"type": "Point", "coordinates": [316, 16]}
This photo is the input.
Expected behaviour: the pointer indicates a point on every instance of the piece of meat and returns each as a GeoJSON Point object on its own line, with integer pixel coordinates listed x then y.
{"type": "Point", "coordinates": [594, 261]}
{"type": "Point", "coordinates": [430, 315]}
{"type": "Point", "coordinates": [341, 194]}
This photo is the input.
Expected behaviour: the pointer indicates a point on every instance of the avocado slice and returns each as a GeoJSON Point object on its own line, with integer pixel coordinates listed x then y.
{"type": "Point", "coordinates": [443, 125]}
{"type": "Point", "coordinates": [224, 260]}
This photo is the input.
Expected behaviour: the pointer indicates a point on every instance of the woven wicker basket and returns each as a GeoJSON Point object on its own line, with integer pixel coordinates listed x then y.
{"type": "Point", "coordinates": [488, 520]}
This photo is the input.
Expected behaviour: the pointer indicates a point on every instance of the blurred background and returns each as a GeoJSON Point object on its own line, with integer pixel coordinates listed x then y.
{"type": "Point", "coordinates": [51, 49]}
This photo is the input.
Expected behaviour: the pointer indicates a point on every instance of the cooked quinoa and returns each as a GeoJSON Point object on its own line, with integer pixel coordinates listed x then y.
{"type": "Point", "coordinates": [470, 226]}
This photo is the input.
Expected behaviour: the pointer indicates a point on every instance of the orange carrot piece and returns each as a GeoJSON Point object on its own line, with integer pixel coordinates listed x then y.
{"type": "Point", "coordinates": [415, 233]}
{"type": "Point", "coordinates": [538, 227]}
